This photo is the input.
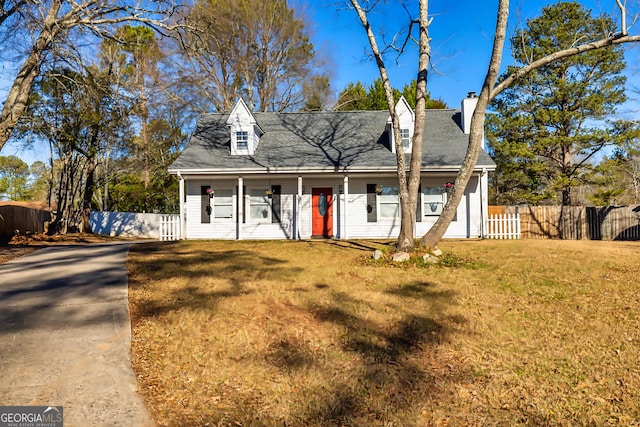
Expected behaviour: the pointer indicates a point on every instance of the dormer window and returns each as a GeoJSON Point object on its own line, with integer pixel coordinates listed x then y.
{"type": "Point", "coordinates": [245, 131]}
{"type": "Point", "coordinates": [406, 139]}
{"type": "Point", "coordinates": [242, 140]}
{"type": "Point", "coordinates": [406, 119]}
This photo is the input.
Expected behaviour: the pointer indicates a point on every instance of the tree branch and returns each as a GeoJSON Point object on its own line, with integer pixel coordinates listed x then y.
{"type": "Point", "coordinates": [521, 72]}
{"type": "Point", "coordinates": [623, 17]}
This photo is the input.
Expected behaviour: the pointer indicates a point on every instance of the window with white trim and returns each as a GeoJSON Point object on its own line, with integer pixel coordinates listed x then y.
{"type": "Point", "coordinates": [389, 202]}
{"type": "Point", "coordinates": [242, 140]}
{"type": "Point", "coordinates": [223, 204]}
{"type": "Point", "coordinates": [433, 200]}
{"type": "Point", "coordinates": [259, 205]}
{"type": "Point", "coordinates": [406, 140]}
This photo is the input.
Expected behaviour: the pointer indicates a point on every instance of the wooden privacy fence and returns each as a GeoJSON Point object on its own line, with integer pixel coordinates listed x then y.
{"type": "Point", "coordinates": [576, 222]}
{"type": "Point", "coordinates": [503, 226]}
{"type": "Point", "coordinates": [22, 219]}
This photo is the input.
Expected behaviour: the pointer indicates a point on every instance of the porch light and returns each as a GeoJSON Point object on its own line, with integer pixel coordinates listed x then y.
{"type": "Point", "coordinates": [378, 189]}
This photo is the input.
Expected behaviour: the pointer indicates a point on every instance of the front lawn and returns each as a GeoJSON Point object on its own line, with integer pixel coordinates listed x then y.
{"type": "Point", "coordinates": [527, 332]}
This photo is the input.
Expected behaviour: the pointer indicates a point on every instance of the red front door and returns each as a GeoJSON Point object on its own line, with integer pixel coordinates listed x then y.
{"type": "Point", "coordinates": [322, 212]}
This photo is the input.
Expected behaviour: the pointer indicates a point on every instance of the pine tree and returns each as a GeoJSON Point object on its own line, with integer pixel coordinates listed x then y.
{"type": "Point", "coordinates": [550, 125]}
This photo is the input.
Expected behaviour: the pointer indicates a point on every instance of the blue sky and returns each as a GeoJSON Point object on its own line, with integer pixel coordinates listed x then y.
{"type": "Point", "coordinates": [462, 36]}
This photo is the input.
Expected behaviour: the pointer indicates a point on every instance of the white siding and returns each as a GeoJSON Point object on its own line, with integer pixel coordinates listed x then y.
{"type": "Point", "coordinates": [227, 228]}
{"type": "Point", "coordinates": [468, 221]}
{"type": "Point", "coordinates": [359, 228]}
{"type": "Point", "coordinates": [219, 228]}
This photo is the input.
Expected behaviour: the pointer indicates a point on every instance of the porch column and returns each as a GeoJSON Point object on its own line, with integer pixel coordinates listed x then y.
{"type": "Point", "coordinates": [181, 204]}
{"type": "Point", "coordinates": [345, 207]}
{"type": "Point", "coordinates": [483, 185]}
{"type": "Point", "coordinates": [240, 202]}
{"type": "Point", "coordinates": [298, 207]}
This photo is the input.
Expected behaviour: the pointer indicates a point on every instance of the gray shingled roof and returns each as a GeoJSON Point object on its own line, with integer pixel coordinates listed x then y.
{"type": "Point", "coordinates": [353, 140]}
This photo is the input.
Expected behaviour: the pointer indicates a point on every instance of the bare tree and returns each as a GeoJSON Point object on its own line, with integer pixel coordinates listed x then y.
{"type": "Point", "coordinates": [10, 8]}
{"type": "Point", "coordinates": [78, 115]}
{"type": "Point", "coordinates": [255, 49]}
{"type": "Point", "coordinates": [409, 186]}
{"type": "Point", "coordinates": [50, 22]}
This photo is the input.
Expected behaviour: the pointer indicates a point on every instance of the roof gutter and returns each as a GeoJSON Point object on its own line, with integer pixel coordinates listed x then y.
{"type": "Point", "coordinates": [256, 171]}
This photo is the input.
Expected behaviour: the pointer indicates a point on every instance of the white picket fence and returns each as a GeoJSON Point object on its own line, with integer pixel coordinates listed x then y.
{"type": "Point", "coordinates": [503, 226]}
{"type": "Point", "coordinates": [170, 227]}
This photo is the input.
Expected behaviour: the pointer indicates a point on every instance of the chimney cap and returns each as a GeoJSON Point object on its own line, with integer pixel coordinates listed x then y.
{"type": "Point", "coordinates": [471, 94]}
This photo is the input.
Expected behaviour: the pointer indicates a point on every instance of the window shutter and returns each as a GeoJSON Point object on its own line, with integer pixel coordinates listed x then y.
{"type": "Point", "coordinates": [275, 203]}
{"type": "Point", "coordinates": [419, 207]}
{"type": "Point", "coordinates": [372, 211]}
{"type": "Point", "coordinates": [205, 205]}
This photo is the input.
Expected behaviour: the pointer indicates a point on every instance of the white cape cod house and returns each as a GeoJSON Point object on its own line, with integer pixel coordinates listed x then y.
{"type": "Point", "coordinates": [251, 175]}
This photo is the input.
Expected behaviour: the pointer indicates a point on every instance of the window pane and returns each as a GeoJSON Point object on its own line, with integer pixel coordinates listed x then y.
{"type": "Point", "coordinates": [242, 140]}
{"type": "Point", "coordinates": [433, 208]}
{"type": "Point", "coordinates": [404, 134]}
{"type": "Point", "coordinates": [389, 202]}
{"type": "Point", "coordinates": [259, 212]}
{"type": "Point", "coordinates": [223, 197]}
{"type": "Point", "coordinates": [223, 204]}
{"type": "Point", "coordinates": [389, 210]}
{"type": "Point", "coordinates": [224, 211]}
{"type": "Point", "coordinates": [221, 200]}
{"type": "Point", "coordinates": [389, 191]}
{"type": "Point", "coordinates": [385, 198]}
{"type": "Point", "coordinates": [259, 205]}
{"type": "Point", "coordinates": [433, 199]}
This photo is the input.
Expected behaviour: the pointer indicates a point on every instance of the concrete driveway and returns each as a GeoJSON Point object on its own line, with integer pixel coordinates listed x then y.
{"type": "Point", "coordinates": [65, 335]}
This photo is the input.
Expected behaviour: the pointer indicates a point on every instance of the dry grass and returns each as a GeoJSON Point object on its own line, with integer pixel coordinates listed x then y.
{"type": "Point", "coordinates": [315, 334]}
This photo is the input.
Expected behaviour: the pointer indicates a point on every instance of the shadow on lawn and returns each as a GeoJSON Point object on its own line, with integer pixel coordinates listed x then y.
{"type": "Point", "coordinates": [374, 372]}
{"type": "Point", "coordinates": [399, 370]}
{"type": "Point", "coordinates": [167, 260]}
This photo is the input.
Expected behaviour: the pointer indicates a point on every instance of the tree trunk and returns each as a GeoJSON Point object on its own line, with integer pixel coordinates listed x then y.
{"type": "Point", "coordinates": [88, 195]}
{"type": "Point", "coordinates": [406, 237]}
{"type": "Point", "coordinates": [476, 134]}
{"type": "Point", "coordinates": [409, 208]}
{"type": "Point", "coordinates": [105, 203]}
{"type": "Point", "coordinates": [18, 95]}
{"type": "Point", "coordinates": [144, 116]}
{"type": "Point", "coordinates": [408, 187]}
{"type": "Point", "coordinates": [566, 196]}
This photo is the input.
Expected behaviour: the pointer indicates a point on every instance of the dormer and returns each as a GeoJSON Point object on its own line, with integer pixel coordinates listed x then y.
{"type": "Point", "coordinates": [406, 118]}
{"type": "Point", "coordinates": [245, 131]}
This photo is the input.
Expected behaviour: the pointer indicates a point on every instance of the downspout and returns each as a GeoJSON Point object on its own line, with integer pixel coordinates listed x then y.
{"type": "Point", "coordinates": [181, 204]}
{"type": "Point", "coordinates": [240, 202]}
{"type": "Point", "coordinates": [345, 190]}
{"type": "Point", "coordinates": [298, 208]}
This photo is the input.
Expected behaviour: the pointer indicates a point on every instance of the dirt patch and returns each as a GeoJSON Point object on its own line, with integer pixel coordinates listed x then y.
{"type": "Point", "coordinates": [21, 245]}
{"type": "Point", "coordinates": [9, 252]}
